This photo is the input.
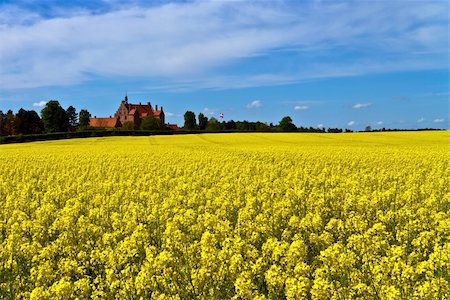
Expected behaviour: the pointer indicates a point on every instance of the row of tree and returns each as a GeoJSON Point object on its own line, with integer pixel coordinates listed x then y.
{"type": "Point", "coordinates": [53, 118]}
{"type": "Point", "coordinates": [212, 124]}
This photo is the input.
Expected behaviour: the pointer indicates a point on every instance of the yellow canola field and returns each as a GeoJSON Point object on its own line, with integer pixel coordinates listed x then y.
{"type": "Point", "coordinates": [220, 216]}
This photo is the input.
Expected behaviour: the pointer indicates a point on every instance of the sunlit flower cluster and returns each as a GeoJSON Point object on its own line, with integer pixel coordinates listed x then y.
{"type": "Point", "coordinates": [227, 216]}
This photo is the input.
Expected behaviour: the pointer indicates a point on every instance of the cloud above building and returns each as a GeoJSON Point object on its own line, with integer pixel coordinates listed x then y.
{"type": "Point", "coordinates": [199, 40]}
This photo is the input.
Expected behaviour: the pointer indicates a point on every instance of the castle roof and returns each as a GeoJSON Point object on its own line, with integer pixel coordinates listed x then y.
{"type": "Point", "coordinates": [103, 122]}
{"type": "Point", "coordinates": [173, 126]}
{"type": "Point", "coordinates": [143, 110]}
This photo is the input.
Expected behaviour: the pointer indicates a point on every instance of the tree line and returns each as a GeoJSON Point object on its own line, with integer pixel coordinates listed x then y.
{"type": "Point", "coordinates": [53, 118]}
{"type": "Point", "coordinates": [212, 124]}
{"type": "Point", "coordinates": [285, 124]}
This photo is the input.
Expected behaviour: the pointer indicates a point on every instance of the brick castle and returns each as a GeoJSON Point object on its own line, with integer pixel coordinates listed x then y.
{"type": "Point", "coordinates": [128, 112]}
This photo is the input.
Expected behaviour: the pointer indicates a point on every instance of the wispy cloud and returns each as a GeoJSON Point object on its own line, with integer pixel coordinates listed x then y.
{"type": "Point", "coordinates": [420, 120]}
{"type": "Point", "coordinates": [301, 107]}
{"type": "Point", "coordinates": [39, 104]}
{"type": "Point", "coordinates": [423, 96]}
{"type": "Point", "coordinates": [170, 114]}
{"type": "Point", "coordinates": [254, 104]}
{"type": "Point", "coordinates": [361, 105]}
{"type": "Point", "coordinates": [210, 111]}
{"type": "Point", "coordinates": [438, 94]}
{"type": "Point", "coordinates": [442, 120]}
{"type": "Point", "coordinates": [191, 41]}
{"type": "Point", "coordinates": [351, 123]}
{"type": "Point", "coordinates": [302, 102]}
{"type": "Point", "coordinates": [219, 82]}
{"type": "Point", "coordinates": [320, 126]}
{"type": "Point", "coordinates": [380, 123]}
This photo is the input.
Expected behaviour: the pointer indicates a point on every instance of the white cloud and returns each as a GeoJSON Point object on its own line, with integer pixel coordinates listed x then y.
{"type": "Point", "coordinates": [210, 111]}
{"type": "Point", "coordinates": [39, 104]}
{"type": "Point", "coordinates": [320, 126]}
{"type": "Point", "coordinates": [420, 120]}
{"type": "Point", "coordinates": [361, 105]}
{"type": "Point", "coordinates": [301, 107]}
{"type": "Point", "coordinates": [179, 41]}
{"type": "Point", "coordinates": [439, 120]}
{"type": "Point", "coordinates": [170, 114]}
{"type": "Point", "coordinates": [254, 104]}
{"type": "Point", "coordinates": [380, 123]}
{"type": "Point", "coordinates": [351, 123]}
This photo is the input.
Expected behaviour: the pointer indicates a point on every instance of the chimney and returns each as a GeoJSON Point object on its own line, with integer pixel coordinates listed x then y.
{"type": "Point", "coordinates": [156, 107]}
{"type": "Point", "coordinates": [161, 108]}
{"type": "Point", "coordinates": [110, 116]}
{"type": "Point", "coordinates": [95, 117]}
{"type": "Point", "coordinates": [148, 103]}
{"type": "Point", "coordinates": [140, 103]}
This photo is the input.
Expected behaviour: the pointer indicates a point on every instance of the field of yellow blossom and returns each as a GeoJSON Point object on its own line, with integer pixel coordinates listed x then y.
{"type": "Point", "coordinates": [227, 216]}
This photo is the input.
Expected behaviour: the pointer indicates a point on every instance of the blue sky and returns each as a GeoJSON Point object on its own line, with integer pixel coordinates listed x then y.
{"type": "Point", "coordinates": [344, 64]}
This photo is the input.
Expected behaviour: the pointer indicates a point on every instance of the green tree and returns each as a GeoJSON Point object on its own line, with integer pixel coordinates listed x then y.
{"type": "Point", "coordinates": [2, 120]}
{"type": "Point", "coordinates": [260, 126]}
{"type": "Point", "coordinates": [214, 125]}
{"type": "Point", "coordinates": [72, 117]}
{"type": "Point", "coordinates": [84, 118]}
{"type": "Point", "coordinates": [287, 125]}
{"type": "Point", "coordinates": [202, 121]}
{"type": "Point", "coordinates": [189, 120]}
{"type": "Point", "coordinates": [54, 117]}
{"type": "Point", "coordinates": [242, 125]}
{"type": "Point", "coordinates": [28, 122]}
{"type": "Point", "coordinates": [7, 123]}
{"type": "Point", "coordinates": [230, 125]}
{"type": "Point", "coordinates": [151, 123]}
{"type": "Point", "coordinates": [368, 128]}
{"type": "Point", "coordinates": [128, 126]}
